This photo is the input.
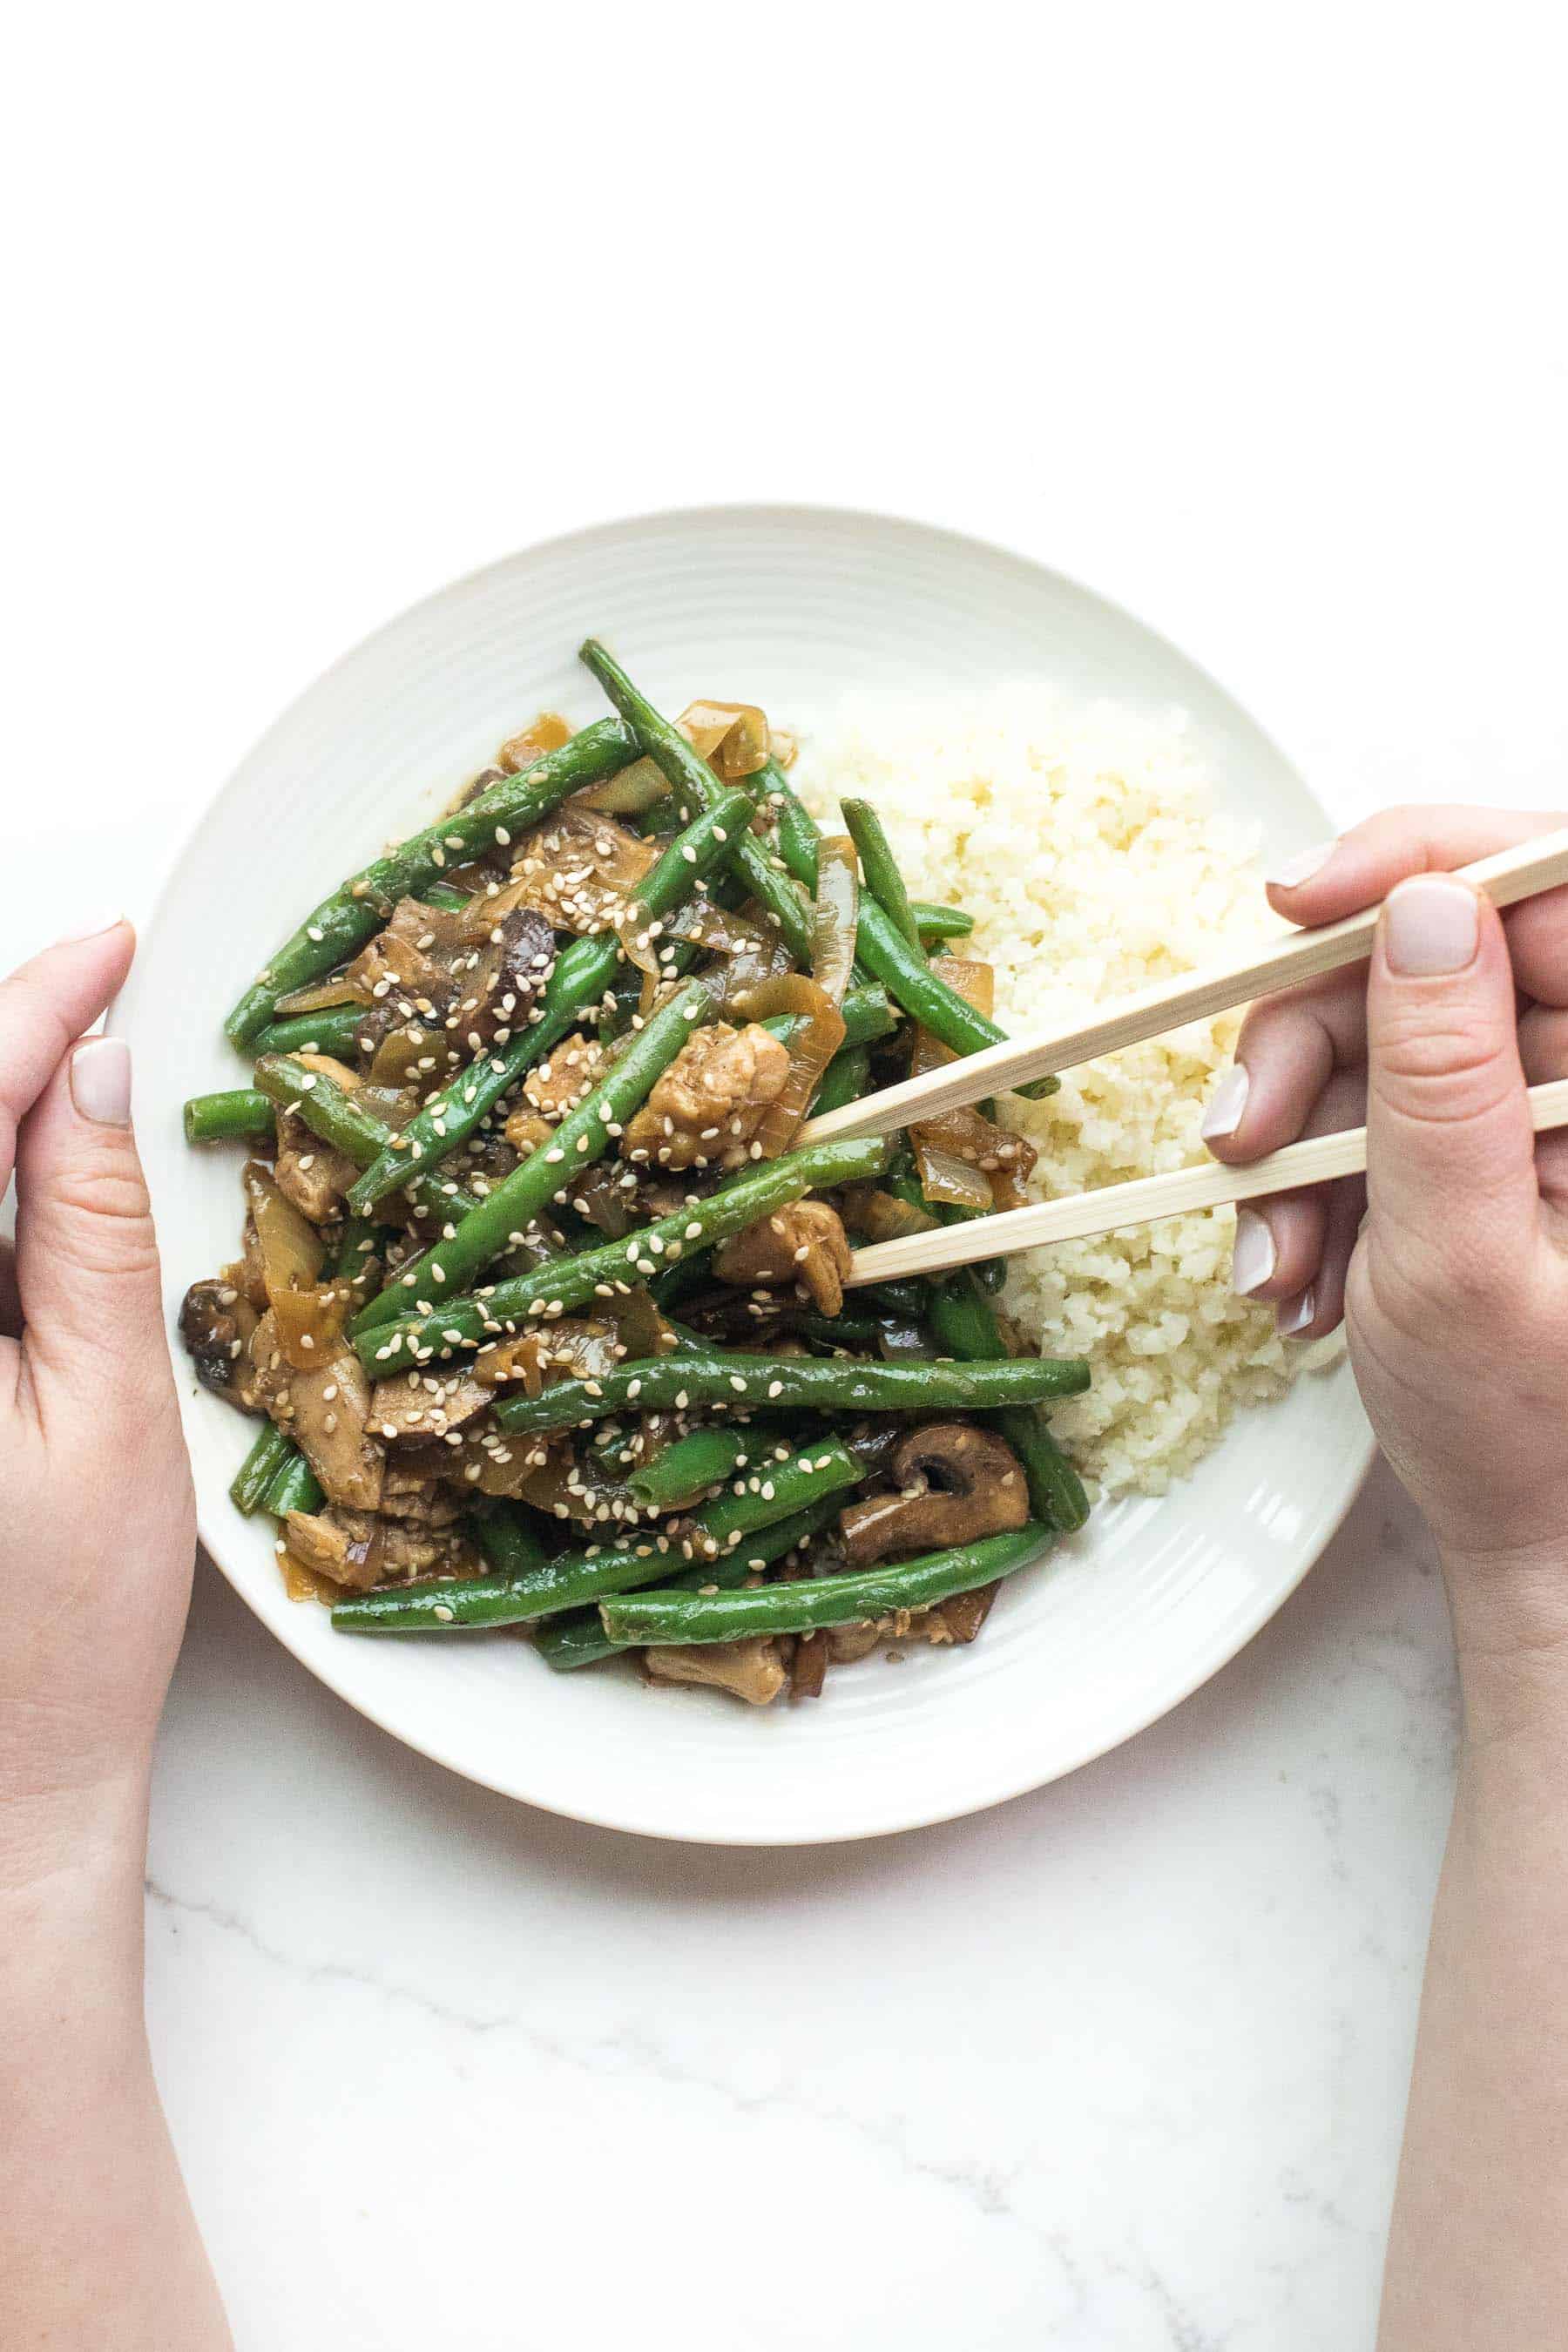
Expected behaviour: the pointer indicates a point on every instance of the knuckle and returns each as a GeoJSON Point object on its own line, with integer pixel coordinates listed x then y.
{"type": "Point", "coordinates": [1446, 1053]}
{"type": "Point", "coordinates": [103, 1223]}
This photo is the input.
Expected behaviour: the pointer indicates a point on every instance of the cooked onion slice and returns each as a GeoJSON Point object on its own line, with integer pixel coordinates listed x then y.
{"type": "Point", "coordinates": [837, 911]}
{"type": "Point", "coordinates": [732, 737]}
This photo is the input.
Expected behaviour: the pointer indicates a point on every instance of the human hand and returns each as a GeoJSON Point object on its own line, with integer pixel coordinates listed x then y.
{"type": "Point", "coordinates": [96, 1509]}
{"type": "Point", "coordinates": [1455, 1290]}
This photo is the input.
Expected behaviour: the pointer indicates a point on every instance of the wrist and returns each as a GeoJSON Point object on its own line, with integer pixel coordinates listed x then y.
{"type": "Point", "coordinates": [1509, 1606]}
{"type": "Point", "coordinates": [77, 1847]}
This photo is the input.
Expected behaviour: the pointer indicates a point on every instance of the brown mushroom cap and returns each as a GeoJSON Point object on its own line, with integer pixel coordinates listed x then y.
{"type": "Point", "coordinates": [958, 1482]}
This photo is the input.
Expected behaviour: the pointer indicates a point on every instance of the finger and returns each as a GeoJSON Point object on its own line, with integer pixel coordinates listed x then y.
{"type": "Point", "coordinates": [87, 1264]}
{"type": "Point", "coordinates": [1288, 1051]}
{"type": "Point", "coordinates": [1280, 1241]}
{"type": "Point", "coordinates": [1363, 865]}
{"type": "Point", "coordinates": [43, 1006]}
{"type": "Point", "coordinates": [1544, 1050]}
{"type": "Point", "coordinates": [1450, 1152]}
{"type": "Point", "coordinates": [1320, 1305]}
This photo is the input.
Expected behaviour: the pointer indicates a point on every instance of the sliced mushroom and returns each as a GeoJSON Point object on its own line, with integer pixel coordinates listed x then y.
{"type": "Point", "coordinates": [751, 1670]}
{"type": "Point", "coordinates": [808, 1666]}
{"type": "Point", "coordinates": [408, 1406]}
{"type": "Point", "coordinates": [216, 1322]}
{"type": "Point", "coordinates": [327, 1412]}
{"type": "Point", "coordinates": [956, 1482]}
{"type": "Point", "coordinates": [805, 1242]}
{"type": "Point", "coordinates": [360, 1549]}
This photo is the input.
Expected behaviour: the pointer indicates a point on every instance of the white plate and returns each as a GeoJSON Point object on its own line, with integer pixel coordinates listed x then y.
{"type": "Point", "coordinates": [793, 607]}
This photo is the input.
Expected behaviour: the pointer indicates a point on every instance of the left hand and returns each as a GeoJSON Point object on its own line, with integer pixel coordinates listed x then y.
{"type": "Point", "coordinates": [96, 1507]}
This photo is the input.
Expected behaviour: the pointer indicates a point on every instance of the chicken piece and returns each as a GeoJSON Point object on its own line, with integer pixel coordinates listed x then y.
{"type": "Point", "coordinates": [359, 1549]}
{"type": "Point", "coordinates": [751, 1670]}
{"type": "Point", "coordinates": [709, 1103]}
{"type": "Point", "coordinates": [414, 1405]}
{"type": "Point", "coordinates": [312, 1174]}
{"type": "Point", "coordinates": [558, 1084]}
{"type": "Point", "coordinates": [327, 1412]}
{"type": "Point", "coordinates": [805, 1242]}
{"type": "Point", "coordinates": [217, 1323]}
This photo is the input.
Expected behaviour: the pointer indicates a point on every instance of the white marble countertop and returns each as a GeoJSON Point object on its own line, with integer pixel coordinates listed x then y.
{"type": "Point", "coordinates": [1120, 2064]}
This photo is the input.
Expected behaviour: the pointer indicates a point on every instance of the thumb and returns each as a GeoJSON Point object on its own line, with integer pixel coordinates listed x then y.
{"type": "Point", "coordinates": [1450, 1152]}
{"type": "Point", "coordinates": [87, 1262]}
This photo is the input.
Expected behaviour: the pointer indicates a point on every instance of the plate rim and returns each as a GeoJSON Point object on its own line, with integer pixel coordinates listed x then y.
{"type": "Point", "coordinates": [156, 901]}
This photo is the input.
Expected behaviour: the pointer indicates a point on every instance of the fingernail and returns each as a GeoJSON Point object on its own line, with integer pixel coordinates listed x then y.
{"type": "Point", "coordinates": [1430, 925]}
{"type": "Point", "coordinates": [1254, 1256]}
{"type": "Point", "coordinates": [1288, 872]}
{"type": "Point", "coordinates": [93, 929]}
{"type": "Point", "coordinates": [100, 1081]}
{"type": "Point", "coordinates": [1295, 1314]}
{"type": "Point", "coordinates": [1223, 1116]}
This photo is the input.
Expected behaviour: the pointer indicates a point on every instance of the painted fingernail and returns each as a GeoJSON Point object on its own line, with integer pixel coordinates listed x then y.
{"type": "Point", "coordinates": [1295, 1314]}
{"type": "Point", "coordinates": [1290, 873]}
{"type": "Point", "coordinates": [1254, 1258]}
{"type": "Point", "coordinates": [100, 1081]}
{"type": "Point", "coordinates": [92, 930]}
{"type": "Point", "coordinates": [1223, 1116]}
{"type": "Point", "coordinates": [1430, 926]}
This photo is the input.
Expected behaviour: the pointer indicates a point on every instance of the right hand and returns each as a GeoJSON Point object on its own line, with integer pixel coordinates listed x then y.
{"type": "Point", "coordinates": [1455, 1288]}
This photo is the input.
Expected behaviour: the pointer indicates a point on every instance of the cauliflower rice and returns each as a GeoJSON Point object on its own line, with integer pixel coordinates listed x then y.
{"type": "Point", "coordinates": [1085, 843]}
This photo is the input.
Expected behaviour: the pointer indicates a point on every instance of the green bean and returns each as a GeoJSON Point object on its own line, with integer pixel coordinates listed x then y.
{"type": "Point", "coordinates": [260, 1468]}
{"type": "Point", "coordinates": [935, 923]}
{"type": "Point", "coordinates": [353, 1254]}
{"type": "Point", "coordinates": [214, 1119]}
{"type": "Point", "coordinates": [330, 1111]}
{"type": "Point", "coordinates": [358, 908]}
{"type": "Point", "coordinates": [581, 1139]}
{"type": "Point", "coordinates": [435, 1604]}
{"type": "Point", "coordinates": [617, 1268]}
{"type": "Point", "coordinates": [909, 978]}
{"type": "Point", "coordinates": [510, 1540]}
{"type": "Point", "coordinates": [296, 1487]}
{"type": "Point", "coordinates": [964, 1325]}
{"type": "Point", "coordinates": [822, 1465]}
{"type": "Point", "coordinates": [579, 1639]}
{"type": "Point", "coordinates": [695, 786]}
{"type": "Point", "coordinates": [441, 894]}
{"type": "Point", "coordinates": [882, 948]}
{"type": "Point", "coordinates": [671, 1615]}
{"type": "Point", "coordinates": [333, 1030]}
{"type": "Point", "coordinates": [736, 1379]}
{"type": "Point", "coordinates": [704, 1457]}
{"type": "Point", "coordinates": [883, 879]}
{"type": "Point", "coordinates": [582, 974]}
{"type": "Point", "coordinates": [844, 1080]}
{"type": "Point", "coordinates": [797, 830]}
{"type": "Point", "coordinates": [866, 1014]}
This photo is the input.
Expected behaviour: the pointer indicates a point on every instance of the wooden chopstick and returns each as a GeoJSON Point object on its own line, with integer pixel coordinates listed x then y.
{"type": "Point", "coordinates": [1512, 874]}
{"type": "Point", "coordinates": [1143, 1201]}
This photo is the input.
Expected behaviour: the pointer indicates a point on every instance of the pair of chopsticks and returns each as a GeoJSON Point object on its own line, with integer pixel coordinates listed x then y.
{"type": "Point", "coordinates": [1513, 874]}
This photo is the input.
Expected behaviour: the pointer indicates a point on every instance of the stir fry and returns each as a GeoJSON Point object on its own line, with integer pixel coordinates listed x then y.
{"type": "Point", "coordinates": [540, 1303]}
